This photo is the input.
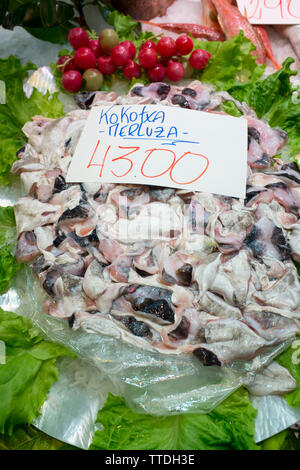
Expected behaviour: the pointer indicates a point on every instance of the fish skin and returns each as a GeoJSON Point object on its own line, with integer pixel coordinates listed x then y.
{"type": "Point", "coordinates": [209, 15]}
{"type": "Point", "coordinates": [262, 33]}
{"type": "Point", "coordinates": [209, 18]}
{"type": "Point", "coordinates": [197, 30]}
{"type": "Point", "coordinates": [232, 22]}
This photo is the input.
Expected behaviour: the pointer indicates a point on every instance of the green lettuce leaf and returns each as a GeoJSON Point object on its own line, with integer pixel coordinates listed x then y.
{"type": "Point", "coordinates": [288, 439]}
{"type": "Point", "coordinates": [262, 95]}
{"type": "Point", "coordinates": [29, 438]}
{"type": "Point", "coordinates": [276, 100]}
{"type": "Point", "coordinates": [8, 263]}
{"type": "Point", "coordinates": [230, 108]}
{"type": "Point", "coordinates": [28, 373]}
{"type": "Point", "coordinates": [128, 29]}
{"type": "Point", "coordinates": [18, 109]}
{"type": "Point", "coordinates": [231, 62]}
{"type": "Point", "coordinates": [229, 426]}
{"type": "Point", "coordinates": [289, 359]}
{"type": "Point", "coordinates": [124, 25]}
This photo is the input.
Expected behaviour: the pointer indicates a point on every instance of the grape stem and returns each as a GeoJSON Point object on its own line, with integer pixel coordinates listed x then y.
{"type": "Point", "coordinates": [65, 63]}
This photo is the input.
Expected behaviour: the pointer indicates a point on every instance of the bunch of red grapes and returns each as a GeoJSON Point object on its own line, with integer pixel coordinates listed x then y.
{"type": "Point", "coordinates": [104, 55]}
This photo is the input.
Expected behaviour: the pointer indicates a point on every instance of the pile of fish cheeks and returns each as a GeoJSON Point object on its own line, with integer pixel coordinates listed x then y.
{"type": "Point", "coordinates": [164, 269]}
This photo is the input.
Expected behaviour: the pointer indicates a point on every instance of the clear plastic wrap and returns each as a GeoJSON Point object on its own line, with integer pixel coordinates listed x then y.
{"type": "Point", "coordinates": [151, 382]}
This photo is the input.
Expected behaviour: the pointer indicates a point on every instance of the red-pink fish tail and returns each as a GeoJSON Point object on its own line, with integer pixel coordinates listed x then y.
{"type": "Point", "coordinates": [262, 33]}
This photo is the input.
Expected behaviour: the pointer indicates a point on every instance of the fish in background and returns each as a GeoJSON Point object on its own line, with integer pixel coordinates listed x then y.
{"type": "Point", "coordinates": [199, 31]}
{"type": "Point", "coordinates": [256, 33]}
{"type": "Point", "coordinates": [226, 12]}
{"type": "Point", "coordinates": [223, 20]}
{"type": "Point", "coordinates": [209, 14]}
{"type": "Point", "coordinates": [262, 33]}
{"type": "Point", "coordinates": [232, 22]}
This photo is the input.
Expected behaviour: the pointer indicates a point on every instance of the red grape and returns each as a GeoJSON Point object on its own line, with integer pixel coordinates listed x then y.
{"type": "Point", "coordinates": [163, 61]}
{"type": "Point", "coordinates": [65, 63]}
{"type": "Point", "coordinates": [85, 58]}
{"type": "Point", "coordinates": [166, 47]}
{"type": "Point", "coordinates": [131, 69]}
{"type": "Point", "coordinates": [95, 47]}
{"type": "Point", "coordinates": [175, 71]}
{"type": "Point", "coordinates": [131, 48]}
{"type": "Point", "coordinates": [147, 58]}
{"type": "Point", "coordinates": [78, 38]}
{"type": "Point", "coordinates": [106, 65]}
{"type": "Point", "coordinates": [120, 55]}
{"type": "Point", "coordinates": [149, 45]}
{"type": "Point", "coordinates": [72, 81]}
{"type": "Point", "coordinates": [184, 44]}
{"type": "Point", "coordinates": [199, 59]}
{"type": "Point", "coordinates": [157, 73]}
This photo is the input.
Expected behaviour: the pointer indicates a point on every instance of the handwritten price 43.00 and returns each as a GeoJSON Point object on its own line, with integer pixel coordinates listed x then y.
{"type": "Point", "coordinates": [122, 166]}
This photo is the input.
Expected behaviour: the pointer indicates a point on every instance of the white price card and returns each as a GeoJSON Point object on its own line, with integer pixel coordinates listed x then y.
{"type": "Point", "coordinates": [271, 11]}
{"type": "Point", "coordinates": [163, 146]}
